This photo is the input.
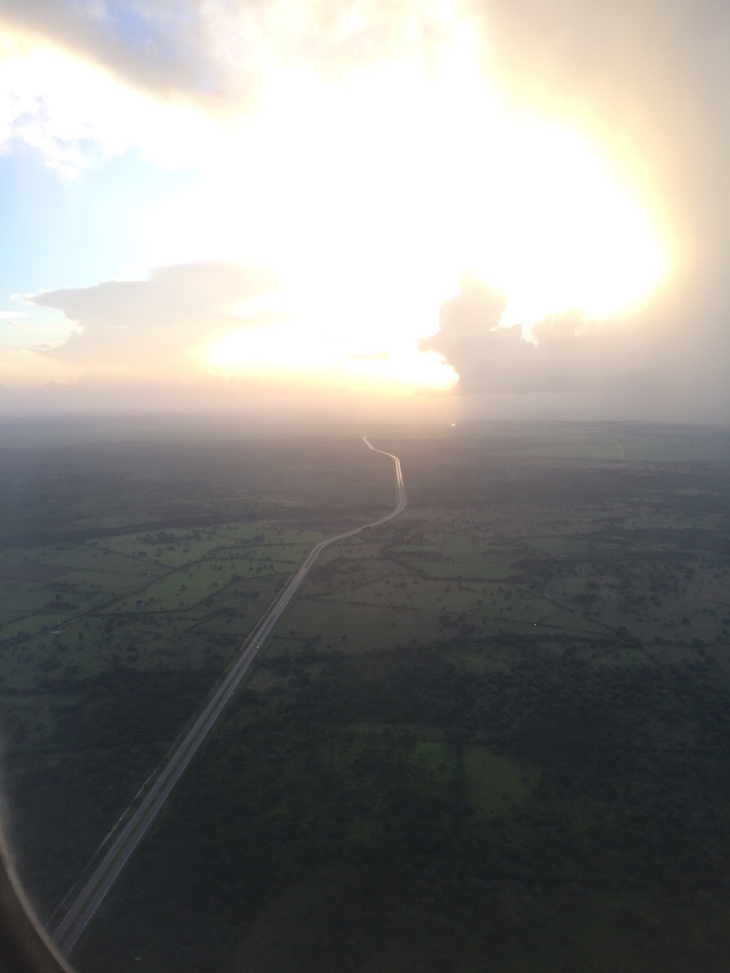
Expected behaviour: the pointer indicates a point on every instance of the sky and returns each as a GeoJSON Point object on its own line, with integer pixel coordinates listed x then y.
{"type": "Point", "coordinates": [437, 209]}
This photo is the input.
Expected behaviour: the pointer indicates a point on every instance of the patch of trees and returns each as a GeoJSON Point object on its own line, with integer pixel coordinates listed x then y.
{"type": "Point", "coordinates": [635, 772]}
{"type": "Point", "coordinates": [108, 736]}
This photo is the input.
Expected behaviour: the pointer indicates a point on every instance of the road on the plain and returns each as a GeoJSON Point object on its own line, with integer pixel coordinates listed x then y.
{"type": "Point", "coordinates": [118, 846]}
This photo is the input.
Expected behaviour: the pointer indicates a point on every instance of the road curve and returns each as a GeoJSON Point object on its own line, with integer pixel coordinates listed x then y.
{"type": "Point", "coordinates": [119, 845]}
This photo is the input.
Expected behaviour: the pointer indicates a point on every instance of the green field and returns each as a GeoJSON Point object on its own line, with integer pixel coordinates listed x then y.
{"type": "Point", "coordinates": [491, 734]}
{"type": "Point", "coordinates": [494, 785]}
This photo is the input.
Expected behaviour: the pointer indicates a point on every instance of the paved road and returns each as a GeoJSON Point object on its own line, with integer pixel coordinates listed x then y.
{"type": "Point", "coordinates": [134, 823]}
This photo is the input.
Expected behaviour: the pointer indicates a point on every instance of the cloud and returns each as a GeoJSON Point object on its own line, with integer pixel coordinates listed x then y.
{"type": "Point", "coordinates": [648, 80]}
{"type": "Point", "coordinates": [77, 114]}
{"type": "Point", "coordinates": [645, 80]}
{"type": "Point", "coordinates": [219, 52]}
{"type": "Point", "coordinates": [486, 357]}
{"type": "Point", "coordinates": [82, 82]}
{"type": "Point", "coordinates": [619, 358]}
{"type": "Point", "coordinates": [151, 45]}
{"type": "Point", "coordinates": [157, 325]}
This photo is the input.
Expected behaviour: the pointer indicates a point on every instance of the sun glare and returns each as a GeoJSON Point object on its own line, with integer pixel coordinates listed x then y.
{"type": "Point", "coordinates": [372, 195]}
{"type": "Point", "coordinates": [290, 351]}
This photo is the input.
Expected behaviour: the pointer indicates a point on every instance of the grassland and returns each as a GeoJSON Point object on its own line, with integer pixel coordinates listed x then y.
{"type": "Point", "coordinates": [492, 734]}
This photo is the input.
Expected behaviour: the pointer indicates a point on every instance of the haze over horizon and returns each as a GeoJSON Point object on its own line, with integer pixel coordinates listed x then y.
{"type": "Point", "coordinates": [453, 210]}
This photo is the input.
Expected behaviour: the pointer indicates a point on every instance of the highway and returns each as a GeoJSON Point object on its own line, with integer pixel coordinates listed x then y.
{"type": "Point", "coordinates": [119, 845]}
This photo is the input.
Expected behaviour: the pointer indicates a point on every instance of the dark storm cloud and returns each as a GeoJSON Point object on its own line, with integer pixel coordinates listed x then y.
{"type": "Point", "coordinates": [154, 321]}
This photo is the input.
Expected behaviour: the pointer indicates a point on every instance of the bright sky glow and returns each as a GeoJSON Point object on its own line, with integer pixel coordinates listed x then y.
{"type": "Point", "coordinates": [368, 192]}
{"type": "Point", "coordinates": [373, 196]}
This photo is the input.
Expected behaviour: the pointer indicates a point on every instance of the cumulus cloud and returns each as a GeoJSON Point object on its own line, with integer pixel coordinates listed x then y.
{"type": "Point", "coordinates": [157, 324]}
{"type": "Point", "coordinates": [647, 80]}
{"type": "Point", "coordinates": [485, 356]}
{"type": "Point", "coordinates": [653, 364]}
{"type": "Point", "coordinates": [561, 354]}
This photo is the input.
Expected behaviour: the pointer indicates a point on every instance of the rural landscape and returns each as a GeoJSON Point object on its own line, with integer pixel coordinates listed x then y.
{"type": "Point", "coordinates": [491, 735]}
